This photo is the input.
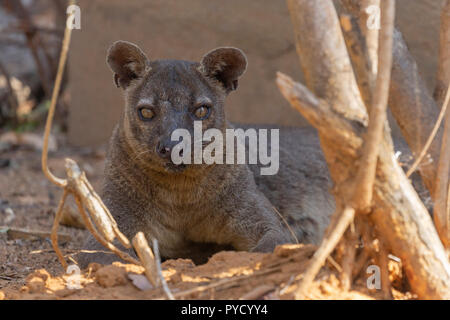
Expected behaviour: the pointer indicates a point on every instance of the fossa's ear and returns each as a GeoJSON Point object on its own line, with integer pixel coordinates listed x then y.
{"type": "Point", "coordinates": [225, 65]}
{"type": "Point", "coordinates": [127, 61]}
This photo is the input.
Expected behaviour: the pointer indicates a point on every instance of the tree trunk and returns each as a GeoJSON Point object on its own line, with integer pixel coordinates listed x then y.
{"type": "Point", "coordinates": [398, 213]}
{"type": "Point", "coordinates": [443, 76]}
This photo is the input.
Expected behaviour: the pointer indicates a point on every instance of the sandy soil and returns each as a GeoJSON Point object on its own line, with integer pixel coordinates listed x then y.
{"type": "Point", "coordinates": [29, 268]}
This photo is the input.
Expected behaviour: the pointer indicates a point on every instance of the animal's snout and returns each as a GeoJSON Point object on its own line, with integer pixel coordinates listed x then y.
{"type": "Point", "coordinates": [164, 149]}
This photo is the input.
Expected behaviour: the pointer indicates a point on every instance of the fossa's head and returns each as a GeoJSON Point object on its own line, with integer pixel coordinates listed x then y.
{"type": "Point", "coordinates": [164, 95]}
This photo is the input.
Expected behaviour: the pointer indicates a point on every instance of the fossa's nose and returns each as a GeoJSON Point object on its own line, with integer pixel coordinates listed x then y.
{"type": "Point", "coordinates": [164, 150]}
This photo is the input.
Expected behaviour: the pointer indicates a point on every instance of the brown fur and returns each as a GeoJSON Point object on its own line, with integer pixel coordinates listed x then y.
{"type": "Point", "coordinates": [196, 210]}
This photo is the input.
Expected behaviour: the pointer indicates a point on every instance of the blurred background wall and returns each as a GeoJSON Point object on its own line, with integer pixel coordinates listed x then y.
{"type": "Point", "coordinates": [175, 29]}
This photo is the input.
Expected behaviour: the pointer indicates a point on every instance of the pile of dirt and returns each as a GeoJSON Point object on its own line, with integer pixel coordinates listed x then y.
{"type": "Point", "coordinates": [227, 275]}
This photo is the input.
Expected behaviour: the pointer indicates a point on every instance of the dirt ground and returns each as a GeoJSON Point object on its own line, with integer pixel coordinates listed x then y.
{"type": "Point", "coordinates": [29, 268]}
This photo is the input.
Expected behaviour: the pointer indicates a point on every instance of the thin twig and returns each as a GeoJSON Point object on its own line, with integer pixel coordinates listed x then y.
{"type": "Point", "coordinates": [431, 137]}
{"type": "Point", "coordinates": [327, 246]}
{"type": "Point", "coordinates": [225, 282]}
{"type": "Point", "coordinates": [13, 102]}
{"type": "Point", "coordinates": [348, 259]}
{"type": "Point", "coordinates": [48, 125]}
{"type": "Point", "coordinates": [54, 235]}
{"type": "Point", "coordinates": [359, 56]}
{"type": "Point", "coordinates": [334, 263]}
{"type": "Point", "coordinates": [443, 73]}
{"type": "Point", "coordinates": [257, 292]}
{"type": "Point", "coordinates": [287, 225]}
{"type": "Point", "coordinates": [441, 187]}
{"type": "Point", "coordinates": [78, 185]}
{"type": "Point", "coordinates": [159, 271]}
{"type": "Point", "coordinates": [145, 254]}
{"type": "Point", "coordinates": [384, 269]}
{"type": "Point", "coordinates": [377, 114]}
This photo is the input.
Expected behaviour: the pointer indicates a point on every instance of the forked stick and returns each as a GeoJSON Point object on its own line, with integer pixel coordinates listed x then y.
{"type": "Point", "coordinates": [78, 185]}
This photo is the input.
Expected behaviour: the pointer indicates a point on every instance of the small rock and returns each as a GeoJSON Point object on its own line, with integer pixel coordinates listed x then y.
{"type": "Point", "coordinates": [4, 163]}
{"type": "Point", "coordinates": [140, 281]}
{"type": "Point", "coordinates": [93, 267]}
{"type": "Point", "coordinates": [111, 276]}
{"type": "Point", "coordinates": [10, 216]}
{"type": "Point", "coordinates": [64, 292]}
{"type": "Point", "coordinates": [36, 282]}
{"type": "Point", "coordinates": [70, 216]}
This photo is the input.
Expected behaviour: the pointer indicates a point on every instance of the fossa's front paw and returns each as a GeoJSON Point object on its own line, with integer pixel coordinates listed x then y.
{"type": "Point", "coordinates": [269, 241]}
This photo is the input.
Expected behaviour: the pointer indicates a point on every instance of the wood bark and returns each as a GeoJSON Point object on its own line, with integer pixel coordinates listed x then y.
{"type": "Point", "coordinates": [360, 57]}
{"type": "Point", "coordinates": [414, 109]}
{"type": "Point", "coordinates": [398, 213]}
{"type": "Point", "coordinates": [377, 112]}
{"type": "Point", "coordinates": [443, 75]}
{"type": "Point", "coordinates": [442, 187]}
{"type": "Point", "coordinates": [362, 14]}
{"type": "Point", "coordinates": [410, 102]}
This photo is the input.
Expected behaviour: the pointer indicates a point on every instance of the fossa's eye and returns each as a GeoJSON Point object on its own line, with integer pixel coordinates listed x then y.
{"type": "Point", "coordinates": [146, 113]}
{"type": "Point", "coordinates": [202, 112]}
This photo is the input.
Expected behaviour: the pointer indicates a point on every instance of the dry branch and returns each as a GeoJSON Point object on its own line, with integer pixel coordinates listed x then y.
{"type": "Point", "coordinates": [411, 104]}
{"type": "Point", "coordinates": [429, 141]}
{"type": "Point", "coordinates": [54, 235]}
{"type": "Point", "coordinates": [360, 57]}
{"type": "Point", "coordinates": [443, 75]}
{"type": "Point", "coordinates": [414, 109]}
{"type": "Point", "coordinates": [257, 292]}
{"type": "Point", "coordinates": [14, 233]}
{"type": "Point", "coordinates": [85, 196]}
{"type": "Point", "coordinates": [335, 81]}
{"type": "Point", "coordinates": [370, 34]}
{"type": "Point", "coordinates": [145, 254]}
{"type": "Point", "coordinates": [326, 247]}
{"type": "Point", "coordinates": [442, 186]}
{"type": "Point", "coordinates": [163, 282]}
{"type": "Point", "coordinates": [364, 180]}
{"type": "Point", "coordinates": [104, 229]}
{"type": "Point", "coordinates": [383, 263]}
{"type": "Point", "coordinates": [399, 215]}
{"type": "Point", "coordinates": [348, 259]}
